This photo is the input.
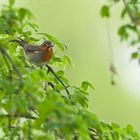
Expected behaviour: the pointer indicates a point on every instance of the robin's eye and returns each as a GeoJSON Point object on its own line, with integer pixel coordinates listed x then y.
{"type": "Point", "coordinates": [44, 45]}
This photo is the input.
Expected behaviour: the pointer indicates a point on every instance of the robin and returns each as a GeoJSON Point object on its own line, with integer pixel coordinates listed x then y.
{"type": "Point", "coordinates": [38, 55]}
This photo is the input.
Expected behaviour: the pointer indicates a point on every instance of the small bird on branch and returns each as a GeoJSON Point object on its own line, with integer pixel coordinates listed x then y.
{"type": "Point", "coordinates": [38, 55]}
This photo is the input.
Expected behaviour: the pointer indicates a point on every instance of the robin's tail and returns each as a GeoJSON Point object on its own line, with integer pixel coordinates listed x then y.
{"type": "Point", "coordinates": [20, 41]}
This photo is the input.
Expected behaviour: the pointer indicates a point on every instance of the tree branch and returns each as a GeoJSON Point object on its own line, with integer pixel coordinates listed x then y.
{"type": "Point", "coordinates": [52, 71]}
{"type": "Point", "coordinates": [26, 116]}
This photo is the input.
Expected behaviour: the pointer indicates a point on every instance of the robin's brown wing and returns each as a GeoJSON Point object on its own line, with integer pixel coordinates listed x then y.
{"type": "Point", "coordinates": [33, 48]}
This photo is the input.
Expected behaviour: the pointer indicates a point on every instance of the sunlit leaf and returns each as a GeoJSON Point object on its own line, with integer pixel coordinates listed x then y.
{"type": "Point", "coordinates": [86, 84]}
{"type": "Point", "coordinates": [134, 55]}
{"type": "Point", "coordinates": [11, 2]}
{"type": "Point", "coordinates": [105, 11]}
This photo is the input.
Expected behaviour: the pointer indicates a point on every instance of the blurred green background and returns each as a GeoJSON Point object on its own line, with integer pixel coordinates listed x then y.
{"type": "Point", "coordinates": [78, 24]}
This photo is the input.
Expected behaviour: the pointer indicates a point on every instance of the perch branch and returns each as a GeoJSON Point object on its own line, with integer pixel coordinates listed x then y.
{"type": "Point", "coordinates": [52, 71]}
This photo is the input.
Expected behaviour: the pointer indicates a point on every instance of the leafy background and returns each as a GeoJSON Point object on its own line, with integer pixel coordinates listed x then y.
{"type": "Point", "coordinates": [78, 24]}
{"type": "Point", "coordinates": [83, 33]}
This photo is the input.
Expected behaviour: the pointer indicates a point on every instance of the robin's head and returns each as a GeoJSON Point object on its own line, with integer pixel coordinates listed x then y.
{"type": "Point", "coordinates": [47, 43]}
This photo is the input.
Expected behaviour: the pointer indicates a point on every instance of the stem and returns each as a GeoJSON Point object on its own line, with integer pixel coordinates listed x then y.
{"type": "Point", "coordinates": [52, 71]}
{"type": "Point", "coordinates": [25, 116]}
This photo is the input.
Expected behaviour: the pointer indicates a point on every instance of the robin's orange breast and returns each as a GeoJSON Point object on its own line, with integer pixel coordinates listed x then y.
{"type": "Point", "coordinates": [48, 54]}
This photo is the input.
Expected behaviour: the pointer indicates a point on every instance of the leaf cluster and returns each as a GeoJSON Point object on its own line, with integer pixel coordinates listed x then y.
{"type": "Point", "coordinates": [42, 104]}
{"type": "Point", "coordinates": [129, 31]}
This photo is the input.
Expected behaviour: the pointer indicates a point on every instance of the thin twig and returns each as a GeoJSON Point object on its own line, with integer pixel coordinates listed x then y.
{"type": "Point", "coordinates": [53, 87]}
{"type": "Point", "coordinates": [25, 116]}
{"type": "Point", "coordinates": [52, 71]}
{"type": "Point", "coordinates": [111, 54]}
{"type": "Point", "coordinates": [109, 40]}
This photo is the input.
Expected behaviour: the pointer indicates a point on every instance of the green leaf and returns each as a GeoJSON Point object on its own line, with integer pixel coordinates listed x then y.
{"type": "Point", "coordinates": [79, 98]}
{"type": "Point", "coordinates": [134, 55]}
{"type": "Point", "coordinates": [60, 73]}
{"type": "Point", "coordinates": [105, 11]}
{"type": "Point", "coordinates": [57, 59]}
{"type": "Point", "coordinates": [134, 1]}
{"type": "Point", "coordinates": [123, 33]}
{"type": "Point", "coordinates": [129, 128]}
{"type": "Point", "coordinates": [67, 60]}
{"type": "Point", "coordinates": [86, 84]}
{"type": "Point", "coordinates": [11, 2]}
{"type": "Point", "coordinates": [124, 11]}
{"type": "Point", "coordinates": [28, 33]}
{"type": "Point", "coordinates": [22, 13]}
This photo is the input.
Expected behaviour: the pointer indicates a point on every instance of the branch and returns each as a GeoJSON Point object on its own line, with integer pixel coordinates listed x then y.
{"type": "Point", "coordinates": [53, 86]}
{"type": "Point", "coordinates": [93, 133]}
{"type": "Point", "coordinates": [52, 71]}
{"type": "Point", "coordinates": [26, 116]}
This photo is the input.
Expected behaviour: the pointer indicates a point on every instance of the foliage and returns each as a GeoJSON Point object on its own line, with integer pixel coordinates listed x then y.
{"type": "Point", "coordinates": [39, 104]}
{"type": "Point", "coordinates": [129, 31]}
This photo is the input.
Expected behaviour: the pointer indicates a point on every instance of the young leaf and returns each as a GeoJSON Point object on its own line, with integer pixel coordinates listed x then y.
{"type": "Point", "coordinates": [11, 2]}
{"type": "Point", "coordinates": [134, 1]}
{"type": "Point", "coordinates": [105, 11]}
{"type": "Point", "coordinates": [124, 11]}
{"type": "Point", "coordinates": [123, 32]}
{"type": "Point", "coordinates": [67, 60]}
{"type": "Point", "coordinates": [86, 84]}
{"type": "Point", "coordinates": [134, 55]}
